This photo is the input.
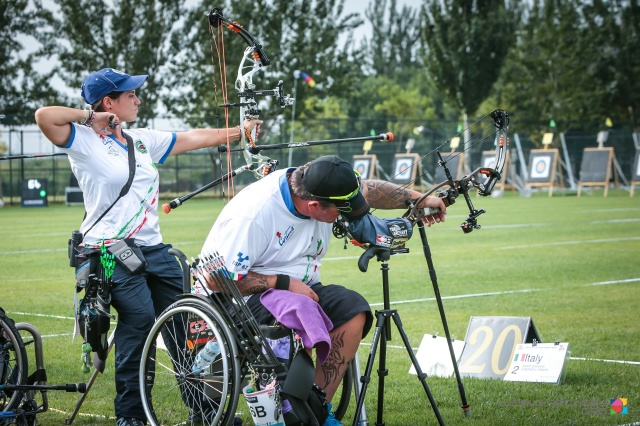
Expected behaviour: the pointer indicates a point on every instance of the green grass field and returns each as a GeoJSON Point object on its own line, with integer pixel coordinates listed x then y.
{"type": "Point", "coordinates": [571, 264]}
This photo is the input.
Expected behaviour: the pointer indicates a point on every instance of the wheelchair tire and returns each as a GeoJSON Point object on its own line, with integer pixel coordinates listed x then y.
{"type": "Point", "coordinates": [13, 363]}
{"type": "Point", "coordinates": [346, 388]}
{"type": "Point", "coordinates": [171, 392]}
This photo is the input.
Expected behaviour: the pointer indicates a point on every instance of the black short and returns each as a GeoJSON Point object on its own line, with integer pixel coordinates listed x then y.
{"type": "Point", "coordinates": [338, 302]}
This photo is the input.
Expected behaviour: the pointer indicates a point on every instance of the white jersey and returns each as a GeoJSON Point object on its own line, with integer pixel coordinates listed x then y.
{"type": "Point", "coordinates": [96, 159]}
{"type": "Point", "coordinates": [259, 230]}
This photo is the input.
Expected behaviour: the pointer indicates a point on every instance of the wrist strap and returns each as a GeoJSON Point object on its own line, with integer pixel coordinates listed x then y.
{"type": "Point", "coordinates": [282, 282]}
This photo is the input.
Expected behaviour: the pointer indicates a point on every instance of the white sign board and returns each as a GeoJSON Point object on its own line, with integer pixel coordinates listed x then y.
{"type": "Point", "coordinates": [542, 362]}
{"type": "Point", "coordinates": [434, 356]}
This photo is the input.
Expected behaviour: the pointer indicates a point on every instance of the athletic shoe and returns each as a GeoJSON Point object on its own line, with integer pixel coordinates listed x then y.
{"type": "Point", "coordinates": [130, 421]}
{"type": "Point", "coordinates": [331, 420]}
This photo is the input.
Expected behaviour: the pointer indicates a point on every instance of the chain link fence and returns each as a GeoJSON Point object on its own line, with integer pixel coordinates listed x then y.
{"type": "Point", "coordinates": [29, 155]}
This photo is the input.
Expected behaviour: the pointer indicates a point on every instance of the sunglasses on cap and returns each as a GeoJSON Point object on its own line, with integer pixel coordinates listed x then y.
{"type": "Point", "coordinates": [343, 197]}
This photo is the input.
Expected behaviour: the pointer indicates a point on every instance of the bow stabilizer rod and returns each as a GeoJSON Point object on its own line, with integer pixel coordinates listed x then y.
{"type": "Point", "coordinates": [21, 156]}
{"type": "Point", "coordinates": [174, 204]}
{"type": "Point", "coordinates": [387, 137]}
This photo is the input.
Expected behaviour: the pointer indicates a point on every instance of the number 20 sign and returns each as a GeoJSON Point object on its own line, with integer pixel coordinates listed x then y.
{"type": "Point", "coordinates": [490, 343]}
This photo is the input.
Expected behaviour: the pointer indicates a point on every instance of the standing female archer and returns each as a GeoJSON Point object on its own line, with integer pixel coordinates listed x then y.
{"type": "Point", "coordinates": [98, 151]}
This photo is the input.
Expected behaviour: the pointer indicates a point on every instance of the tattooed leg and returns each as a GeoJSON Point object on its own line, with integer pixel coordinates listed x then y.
{"type": "Point", "coordinates": [344, 344]}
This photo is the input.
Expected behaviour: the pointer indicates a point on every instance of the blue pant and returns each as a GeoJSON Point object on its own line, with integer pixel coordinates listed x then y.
{"type": "Point", "coordinates": [138, 300]}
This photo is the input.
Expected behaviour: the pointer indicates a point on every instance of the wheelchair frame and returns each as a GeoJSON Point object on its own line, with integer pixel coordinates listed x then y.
{"type": "Point", "coordinates": [18, 389]}
{"type": "Point", "coordinates": [171, 392]}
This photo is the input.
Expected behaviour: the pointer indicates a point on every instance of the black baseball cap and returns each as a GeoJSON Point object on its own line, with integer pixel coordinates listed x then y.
{"type": "Point", "coordinates": [332, 179]}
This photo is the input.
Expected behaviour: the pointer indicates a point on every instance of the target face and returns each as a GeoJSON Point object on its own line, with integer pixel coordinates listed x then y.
{"type": "Point", "coordinates": [403, 170]}
{"type": "Point", "coordinates": [540, 167]}
{"type": "Point", "coordinates": [362, 166]}
{"type": "Point", "coordinates": [489, 161]}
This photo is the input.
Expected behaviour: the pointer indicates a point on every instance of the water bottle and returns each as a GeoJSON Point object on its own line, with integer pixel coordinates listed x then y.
{"type": "Point", "coordinates": [206, 356]}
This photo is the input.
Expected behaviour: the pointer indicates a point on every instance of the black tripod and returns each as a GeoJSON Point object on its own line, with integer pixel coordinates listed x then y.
{"type": "Point", "coordinates": [383, 324]}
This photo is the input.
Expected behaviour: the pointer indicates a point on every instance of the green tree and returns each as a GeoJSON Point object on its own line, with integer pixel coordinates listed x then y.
{"type": "Point", "coordinates": [129, 35]}
{"type": "Point", "coordinates": [466, 45]}
{"type": "Point", "coordinates": [396, 41]}
{"type": "Point", "coordinates": [612, 36]}
{"type": "Point", "coordinates": [394, 92]}
{"type": "Point", "coordinates": [22, 87]}
{"type": "Point", "coordinates": [547, 76]}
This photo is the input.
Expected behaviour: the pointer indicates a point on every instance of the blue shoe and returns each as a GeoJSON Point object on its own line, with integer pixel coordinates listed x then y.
{"type": "Point", "coordinates": [331, 420]}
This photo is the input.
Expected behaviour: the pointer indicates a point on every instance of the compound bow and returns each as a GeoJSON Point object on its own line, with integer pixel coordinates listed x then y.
{"type": "Point", "coordinates": [253, 60]}
{"type": "Point", "coordinates": [483, 179]}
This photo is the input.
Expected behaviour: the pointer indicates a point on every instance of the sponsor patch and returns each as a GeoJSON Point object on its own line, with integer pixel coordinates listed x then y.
{"type": "Point", "coordinates": [140, 147]}
{"type": "Point", "coordinates": [384, 240]}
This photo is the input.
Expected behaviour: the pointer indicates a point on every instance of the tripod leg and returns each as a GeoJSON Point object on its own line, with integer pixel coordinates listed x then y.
{"type": "Point", "coordinates": [421, 376]}
{"type": "Point", "coordinates": [364, 380]}
{"type": "Point", "coordinates": [93, 378]}
{"type": "Point", "coordinates": [466, 408]}
{"type": "Point", "coordinates": [383, 372]}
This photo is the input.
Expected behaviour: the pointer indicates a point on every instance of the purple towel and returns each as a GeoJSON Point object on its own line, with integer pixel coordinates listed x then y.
{"type": "Point", "coordinates": [303, 315]}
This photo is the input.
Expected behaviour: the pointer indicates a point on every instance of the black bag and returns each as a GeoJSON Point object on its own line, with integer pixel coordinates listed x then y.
{"type": "Point", "coordinates": [299, 388]}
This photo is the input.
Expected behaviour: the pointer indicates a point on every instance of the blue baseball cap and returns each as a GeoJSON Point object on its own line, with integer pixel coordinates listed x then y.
{"type": "Point", "coordinates": [100, 83]}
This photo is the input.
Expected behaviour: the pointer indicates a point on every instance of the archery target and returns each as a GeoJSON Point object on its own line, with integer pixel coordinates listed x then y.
{"type": "Point", "coordinates": [362, 166]}
{"type": "Point", "coordinates": [403, 170]}
{"type": "Point", "coordinates": [540, 167]}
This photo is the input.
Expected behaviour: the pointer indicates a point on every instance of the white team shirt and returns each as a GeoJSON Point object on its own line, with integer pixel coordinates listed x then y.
{"type": "Point", "coordinates": [97, 159]}
{"type": "Point", "coordinates": [259, 230]}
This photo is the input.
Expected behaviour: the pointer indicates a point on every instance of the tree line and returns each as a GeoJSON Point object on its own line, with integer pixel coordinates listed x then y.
{"type": "Point", "coordinates": [568, 62]}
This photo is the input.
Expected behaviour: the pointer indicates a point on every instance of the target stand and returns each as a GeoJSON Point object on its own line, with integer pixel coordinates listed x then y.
{"type": "Point", "coordinates": [543, 169]}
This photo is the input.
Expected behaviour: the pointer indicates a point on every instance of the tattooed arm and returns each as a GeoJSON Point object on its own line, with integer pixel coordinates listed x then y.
{"type": "Point", "coordinates": [386, 195]}
{"type": "Point", "coordinates": [255, 283]}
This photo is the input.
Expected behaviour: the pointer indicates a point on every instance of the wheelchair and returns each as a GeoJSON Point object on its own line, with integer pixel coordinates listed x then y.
{"type": "Point", "coordinates": [23, 395]}
{"type": "Point", "coordinates": [173, 394]}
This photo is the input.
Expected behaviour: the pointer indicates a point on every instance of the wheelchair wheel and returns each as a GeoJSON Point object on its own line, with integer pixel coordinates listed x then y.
{"type": "Point", "coordinates": [346, 387]}
{"type": "Point", "coordinates": [13, 363]}
{"type": "Point", "coordinates": [171, 393]}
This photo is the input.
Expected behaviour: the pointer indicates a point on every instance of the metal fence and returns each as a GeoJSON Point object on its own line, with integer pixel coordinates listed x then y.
{"type": "Point", "coordinates": [187, 172]}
